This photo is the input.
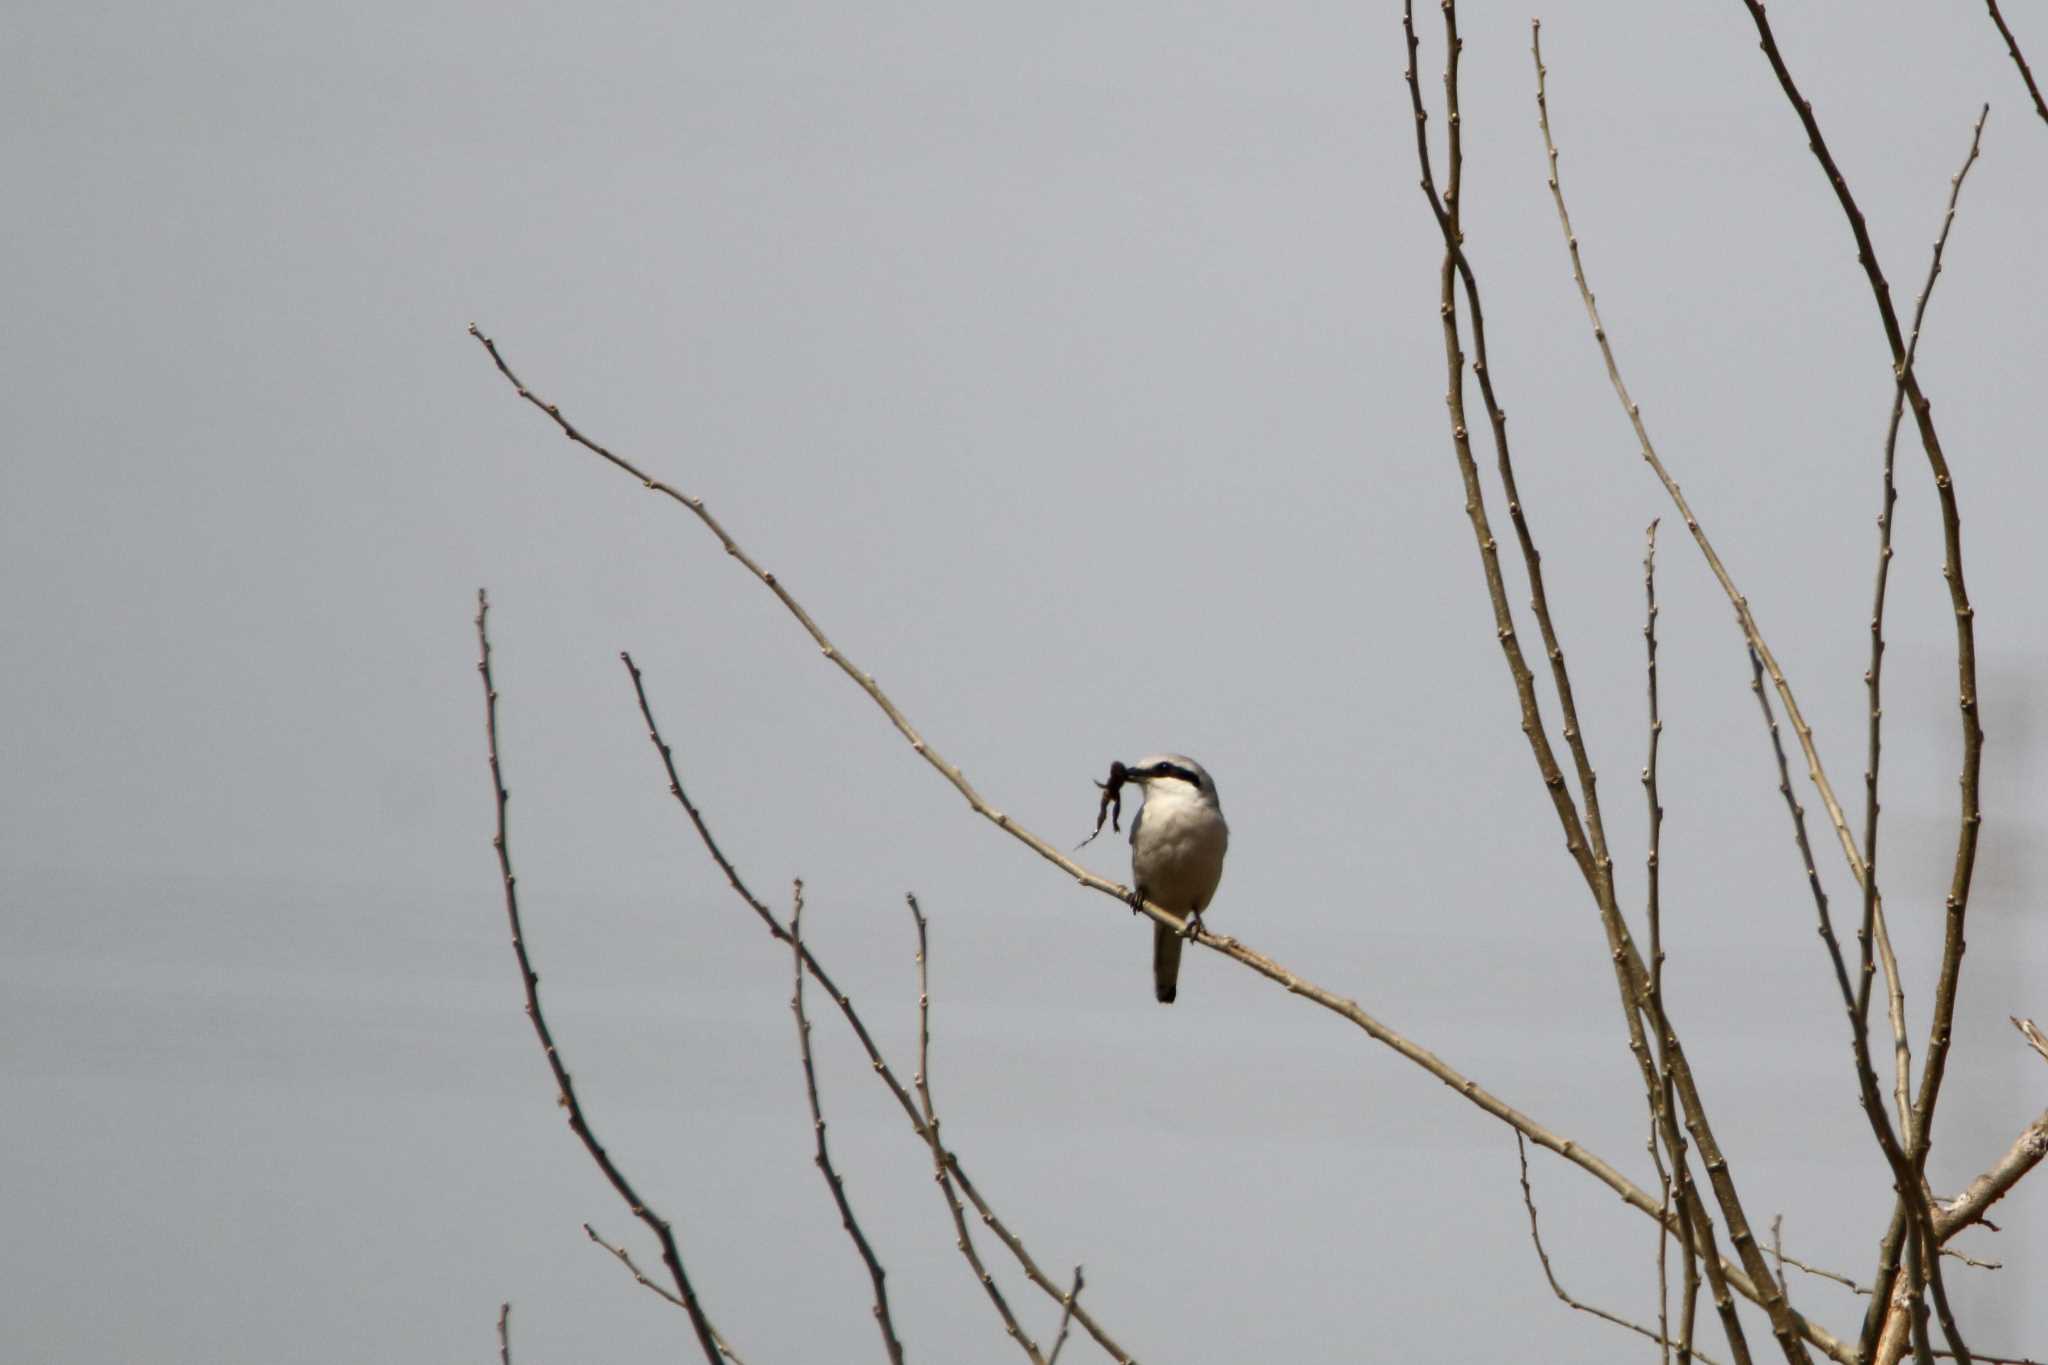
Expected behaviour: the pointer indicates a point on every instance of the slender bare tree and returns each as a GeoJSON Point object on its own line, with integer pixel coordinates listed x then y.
{"type": "Point", "coordinates": [1696, 1208]}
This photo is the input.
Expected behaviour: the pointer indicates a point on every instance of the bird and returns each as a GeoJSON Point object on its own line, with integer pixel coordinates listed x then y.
{"type": "Point", "coordinates": [1177, 845]}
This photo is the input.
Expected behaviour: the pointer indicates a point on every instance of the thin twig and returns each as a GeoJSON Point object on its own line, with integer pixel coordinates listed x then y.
{"type": "Point", "coordinates": [1229, 947]}
{"type": "Point", "coordinates": [880, 1064]}
{"type": "Point", "coordinates": [1971, 1261]}
{"type": "Point", "coordinates": [1660, 1113]}
{"type": "Point", "coordinates": [1529, 1203]}
{"type": "Point", "coordinates": [1919, 1207]}
{"type": "Point", "coordinates": [505, 1333]}
{"type": "Point", "coordinates": [530, 981]}
{"type": "Point", "coordinates": [1066, 1320]}
{"type": "Point", "coordinates": [2026, 72]}
{"type": "Point", "coordinates": [833, 1181]}
{"type": "Point", "coordinates": [625, 1258]}
{"type": "Point", "coordinates": [1778, 1251]}
{"type": "Point", "coordinates": [1888, 1259]}
{"type": "Point", "coordinates": [1815, 1270]}
{"type": "Point", "coordinates": [2035, 1039]}
{"type": "Point", "coordinates": [1783, 1321]}
{"type": "Point", "coordinates": [940, 1173]}
{"type": "Point", "coordinates": [1921, 1129]}
{"type": "Point", "coordinates": [1874, 678]}
{"type": "Point", "coordinates": [1745, 619]}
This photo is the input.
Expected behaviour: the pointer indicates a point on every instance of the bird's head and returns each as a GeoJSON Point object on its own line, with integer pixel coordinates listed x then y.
{"type": "Point", "coordinates": [1164, 773]}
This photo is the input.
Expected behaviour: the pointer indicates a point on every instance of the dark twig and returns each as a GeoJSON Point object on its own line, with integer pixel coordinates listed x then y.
{"type": "Point", "coordinates": [1918, 1206]}
{"type": "Point", "coordinates": [1662, 1105]}
{"type": "Point", "coordinates": [880, 1064]}
{"type": "Point", "coordinates": [940, 1172]}
{"type": "Point", "coordinates": [1529, 1203]}
{"type": "Point", "coordinates": [1066, 1320]}
{"type": "Point", "coordinates": [1889, 1253]}
{"type": "Point", "coordinates": [1873, 679]}
{"type": "Point", "coordinates": [2012, 45]}
{"type": "Point", "coordinates": [530, 981]}
{"type": "Point", "coordinates": [1572, 1151]}
{"type": "Point", "coordinates": [1921, 1128]}
{"type": "Point", "coordinates": [833, 1181]}
{"type": "Point", "coordinates": [505, 1333]}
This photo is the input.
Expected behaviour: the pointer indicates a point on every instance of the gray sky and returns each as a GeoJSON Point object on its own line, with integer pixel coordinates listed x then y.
{"type": "Point", "coordinates": [1080, 371]}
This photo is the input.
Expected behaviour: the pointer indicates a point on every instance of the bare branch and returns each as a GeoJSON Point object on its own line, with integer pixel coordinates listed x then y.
{"type": "Point", "coordinates": [833, 1182]}
{"type": "Point", "coordinates": [1814, 1270]}
{"type": "Point", "coordinates": [1662, 1104]}
{"type": "Point", "coordinates": [505, 1333]}
{"type": "Point", "coordinates": [880, 1064]}
{"type": "Point", "coordinates": [1229, 947]}
{"type": "Point", "coordinates": [1783, 1325]}
{"type": "Point", "coordinates": [940, 1173]}
{"type": "Point", "coordinates": [625, 1258]}
{"type": "Point", "coordinates": [2012, 45]}
{"type": "Point", "coordinates": [1921, 1129]}
{"type": "Point", "coordinates": [1066, 1319]}
{"type": "Point", "coordinates": [530, 981]}
{"type": "Point", "coordinates": [1529, 1203]}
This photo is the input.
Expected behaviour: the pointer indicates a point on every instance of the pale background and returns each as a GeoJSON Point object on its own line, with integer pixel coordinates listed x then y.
{"type": "Point", "coordinates": [1079, 367]}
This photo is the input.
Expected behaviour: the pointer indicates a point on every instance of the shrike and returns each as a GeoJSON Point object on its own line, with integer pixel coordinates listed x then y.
{"type": "Point", "coordinates": [1177, 844]}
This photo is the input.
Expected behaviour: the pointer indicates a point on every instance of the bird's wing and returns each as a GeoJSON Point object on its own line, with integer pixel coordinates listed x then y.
{"type": "Point", "coordinates": [1137, 821]}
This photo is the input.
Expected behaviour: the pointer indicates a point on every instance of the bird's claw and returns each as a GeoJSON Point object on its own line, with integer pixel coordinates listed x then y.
{"type": "Point", "coordinates": [1191, 927]}
{"type": "Point", "coordinates": [1134, 900]}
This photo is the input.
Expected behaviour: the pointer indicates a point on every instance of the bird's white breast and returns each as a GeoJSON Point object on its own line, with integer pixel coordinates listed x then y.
{"type": "Point", "coordinates": [1177, 849]}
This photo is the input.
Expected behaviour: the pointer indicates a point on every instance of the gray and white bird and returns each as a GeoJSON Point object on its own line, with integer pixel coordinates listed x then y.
{"type": "Point", "coordinates": [1177, 845]}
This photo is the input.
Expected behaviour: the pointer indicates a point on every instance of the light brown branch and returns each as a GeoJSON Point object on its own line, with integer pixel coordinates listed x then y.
{"type": "Point", "coordinates": [1662, 1104]}
{"type": "Point", "coordinates": [1979, 1195]}
{"type": "Point", "coordinates": [625, 1258]}
{"type": "Point", "coordinates": [880, 1064]}
{"type": "Point", "coordinates": [2034, 1037]}
{"type": "Point", "coordinates": [1815, 1270]}
{"type": "Point", "coordinates": [940, 1173]}
{"type": "Point", "coordinates": [833, 1181]}
{"type": "Point", "coordinates": [530, 981]}
{"type": "Point", "coordinates": [1629, 971]}
{"type": "Point", "coordinates": [1229, 947]}
{"type": "Point", "coordinates": [505, 1333]}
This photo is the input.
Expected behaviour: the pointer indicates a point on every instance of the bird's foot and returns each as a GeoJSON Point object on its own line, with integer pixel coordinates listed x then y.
{"type": "Point", "coordinates": [1135, 899]}
{"type": "Point", "coordinates": [1192, 925]}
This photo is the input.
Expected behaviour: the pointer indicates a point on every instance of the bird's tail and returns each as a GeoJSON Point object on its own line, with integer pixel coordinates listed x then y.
{"type": "Point", "coordinates": [1165, 963]}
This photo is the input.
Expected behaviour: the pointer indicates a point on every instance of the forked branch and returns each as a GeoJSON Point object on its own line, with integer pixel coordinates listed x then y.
{"type": "Point", "coordinates": [1537, 1133]}
{"type": "Point", "coordinates": [833, 1181]}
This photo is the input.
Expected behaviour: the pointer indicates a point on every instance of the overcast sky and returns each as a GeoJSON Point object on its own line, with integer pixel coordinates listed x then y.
{"type": "Point", "coordinates": [1079, 368]}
